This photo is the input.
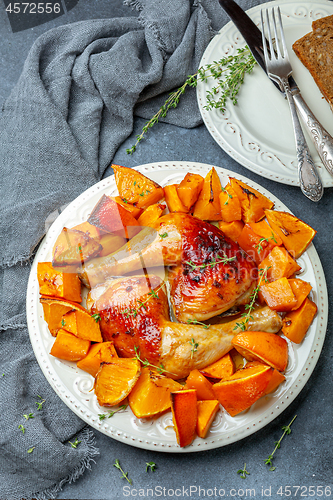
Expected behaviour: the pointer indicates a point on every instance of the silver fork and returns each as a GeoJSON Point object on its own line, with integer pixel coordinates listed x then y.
{"type": "Point", "coordinates": [278, 69]}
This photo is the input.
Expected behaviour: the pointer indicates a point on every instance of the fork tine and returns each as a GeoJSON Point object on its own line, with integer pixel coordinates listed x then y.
{"type": "Point", "coordinates": [264, 41]}
{"type": "Point", "coordinates": [277, 45]}
{"type": "Point", "coordinates": [271, 48]}
{"type": "Point", "coordinates": [283, 40]}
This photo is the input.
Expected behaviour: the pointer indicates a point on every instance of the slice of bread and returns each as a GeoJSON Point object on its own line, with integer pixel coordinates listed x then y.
{"type": "Point", "coordinates": [315, 50]}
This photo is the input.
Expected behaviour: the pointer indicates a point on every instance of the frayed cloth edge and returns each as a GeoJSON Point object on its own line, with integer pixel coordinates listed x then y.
{"type": "Point", "coordinates": [51, 493]}
{"type": "Point", "coordinates": [134, 5]}
{"type": "Point", "coordinates": [18, 321]}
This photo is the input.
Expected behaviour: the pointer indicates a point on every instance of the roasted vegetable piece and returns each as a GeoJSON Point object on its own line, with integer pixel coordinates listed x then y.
{"type": "Point", "coordinates": [74, 248]}
{"type": "Point", "coordinates": [206, 413]}
{"type": "Point", "coordinates": [151, 214]}
{"type": "Point", "coordinates": [133, 209]}
{"type": "Point", "coordinates": [232, 229]}
{"type": "Point", "coordinates": [184, 415]}
{"type": "Point", "coordinates": [265, 231]}
{"type": "Point", "coordinates": [230, 204]}
{"type": "Point", "coordinates": [54, 309]}
{"type": "Point", "coordinates": [90, 230]}
{"type": "Point", "coordinates": [276, 380]}
{"type": "Point", "coordinates": [110, 243]}
{"type": "Point", "coordinates": [113, 218]}
{"type": "Point", "coordinates": [148, 399]}
{"type": "Point", "coordinates": [82, 325]}
{"type": "Point", "coordinates": [115, 380]}
{"type": "Point", "coordinates": [279, 264]}
{"type": "Point", "coordinates": [301, 290]}
{"type": "Point", "coordinates": [208, 205]}
{"type": "Point", "coordinates": [172, 199]}
{"type": "Point", "coordinates": [189, 189]}
{"type": "Point", "coordinates": [243, 388]}
{"type": "Point", "coordinates": [253, 203]}
{"type": "Point", "coordinates": [279, 295]}
{"type": "Point", "coordinates": [67, 346]}
{"type": "Point", "coordinates": [296, 323]}
{"type": "Point", "coordinates": [56, 283]}
{"type": "Point", "coordinates": [136, 188]}
{"type": "Point", "coordinates": [102, 352]}
{"type": "Point", "coordinates": [203, 387]}
{"type": "Point", "coordinates": [295, 234]}
{"type": "Point", "coordinates": [268, 348]}
{"type": "Point", "coordinates": [254, 245]}
{"type": "Point", "coordinates": [222, 369]}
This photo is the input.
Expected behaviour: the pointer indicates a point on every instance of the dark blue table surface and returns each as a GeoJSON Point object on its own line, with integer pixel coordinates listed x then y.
{"type": "Point", "coordinates": [305, 457]}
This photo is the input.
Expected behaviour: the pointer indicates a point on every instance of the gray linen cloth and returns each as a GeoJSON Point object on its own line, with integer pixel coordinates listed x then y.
{"type": "Point", "coordinates": [71, 109]}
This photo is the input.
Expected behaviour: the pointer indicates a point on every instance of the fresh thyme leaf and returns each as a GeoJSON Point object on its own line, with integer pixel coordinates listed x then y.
{"type": "Point", "coordinates": [30, 415]}
{"type": "Point", "coordinates": [142, 303]}
{"type": "Point", "coordinates": [160, 369]}
{"type": "Point", "coordinates": [75, 444]}
{"type": "Point", "coordinates": [250, 307]}
{"type": "Point", "coordinates": [196, 322]}
{"type": "Point", "coordinates": [63, 322]}
{"type": "Point", "coordinates": [97, 317]}
{"type": "Point", "coordinates": [164, 235]}
{"type": "Point", "coordinates": [21, 428]}
{"type": "Point", "coordinates": [124, 475]}
{"type": "Point", "coordinates": [243, 472]}
{"type": "Point", "coordinates": [102, 416]}
{"type": "Point", "coordinates": [30, 450]}
{"type": "Point", "coordinates": [194, 346]}
{"type": "Point", "coordinates": [219, 260]}
{"type": "Point", "coordinates": [40, 403]}
{"type": "Point", "coordinates": [286, 431]}
{"type": "Point", "coordinates": [151, 466]}
{"type": "Point", "coordinates": [229, 73]}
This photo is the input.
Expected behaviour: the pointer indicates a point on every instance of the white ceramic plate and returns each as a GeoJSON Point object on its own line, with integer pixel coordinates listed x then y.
{"type": "Point", "coordinates": [73, 385]}
{"type": "Point", "coordinates": [258, 132]}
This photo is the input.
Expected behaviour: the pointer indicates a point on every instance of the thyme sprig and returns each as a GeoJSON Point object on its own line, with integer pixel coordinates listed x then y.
{"type": "Point", "coordinates": [151, 466]}
{"type": "Point", "coordinates": [212, 263]}
{"type": "Point", "coordinates": [243, 472]}
{"type": "Point", "coordinates": [160, 369]}
{"type": "Point", "coordinates": [75, 443]}
{"type": "Point", "coordinates": [194, 346]}
{"type": "Point", "coordinates": [229, 73]}
{"type": "Point", "coordinates": [253, 297]}
{"type": "Point", "coordinates": [142, 303]}
{"type": "Point", "coordinates": [261, 241]}
{"type": "Point", "coordinates": [121, 408]}
{"type": "Point", "coordinates": [40, 403]}
{"type": "Point", "coordinates": [124, 474]}
{"type": "Point", "coordinates": [286, 431]}
{"type": "Point", "coordinates": [196, 322]}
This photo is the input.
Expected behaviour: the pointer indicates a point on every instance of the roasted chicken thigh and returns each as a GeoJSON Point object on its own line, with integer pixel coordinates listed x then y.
{"type": "Point", "coordinates": [209, 273]}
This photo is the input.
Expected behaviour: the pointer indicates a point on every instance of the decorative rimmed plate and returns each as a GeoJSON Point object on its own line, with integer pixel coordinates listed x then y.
{"type": "Point", "coordinates": [258, 132]}
{"type": "Point", "coordinates": [73, 385]}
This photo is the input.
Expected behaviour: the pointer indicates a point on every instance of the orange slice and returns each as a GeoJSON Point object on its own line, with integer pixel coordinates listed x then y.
{"type": "Point", "coordinates": [263, 346]}
{"type": "Point", "coordinates": [148, 399]}
{"type": "Point", "coordinates": [115, 380]}
{"type": "Point", "coordinates": [197, 381]}
{"type": "Point", "coordinates": [243, 388]}
{"type": "Point", "coordinates": [102, 352]}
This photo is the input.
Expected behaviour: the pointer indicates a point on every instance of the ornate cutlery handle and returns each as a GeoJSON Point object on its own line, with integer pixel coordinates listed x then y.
{"type": "Point", "coordinates": [309, 179]}
{"type": "Point", "coordinates": [321, 138]}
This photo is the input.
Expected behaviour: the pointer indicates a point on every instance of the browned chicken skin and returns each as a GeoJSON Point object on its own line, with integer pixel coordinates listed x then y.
{"type": "Point", "coordinates": [135, 314]}
{"type": "Point", "coordinates": [210, 272]}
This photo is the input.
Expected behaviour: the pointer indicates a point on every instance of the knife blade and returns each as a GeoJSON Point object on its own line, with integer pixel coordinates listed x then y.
{"type": "Point", "coordinates": [322, 140]}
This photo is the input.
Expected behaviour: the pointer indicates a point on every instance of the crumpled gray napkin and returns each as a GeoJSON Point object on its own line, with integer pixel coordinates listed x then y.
{"type": "Point", "coordinates": [59, 129]}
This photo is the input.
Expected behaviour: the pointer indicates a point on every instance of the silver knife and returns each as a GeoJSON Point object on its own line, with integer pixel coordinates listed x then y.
{"type": "Point", "coordinates": [252, 35]}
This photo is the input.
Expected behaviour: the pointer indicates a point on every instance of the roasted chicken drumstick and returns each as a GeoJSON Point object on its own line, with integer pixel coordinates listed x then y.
{"type": "Point", "coordinates": [134, 315]}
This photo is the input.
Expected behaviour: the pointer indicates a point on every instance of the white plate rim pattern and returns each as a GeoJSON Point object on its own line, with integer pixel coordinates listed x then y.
{"type": "Point", "coordinates": [249, 148]}
{"type": "Point", "coordinates": [125, 427]}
